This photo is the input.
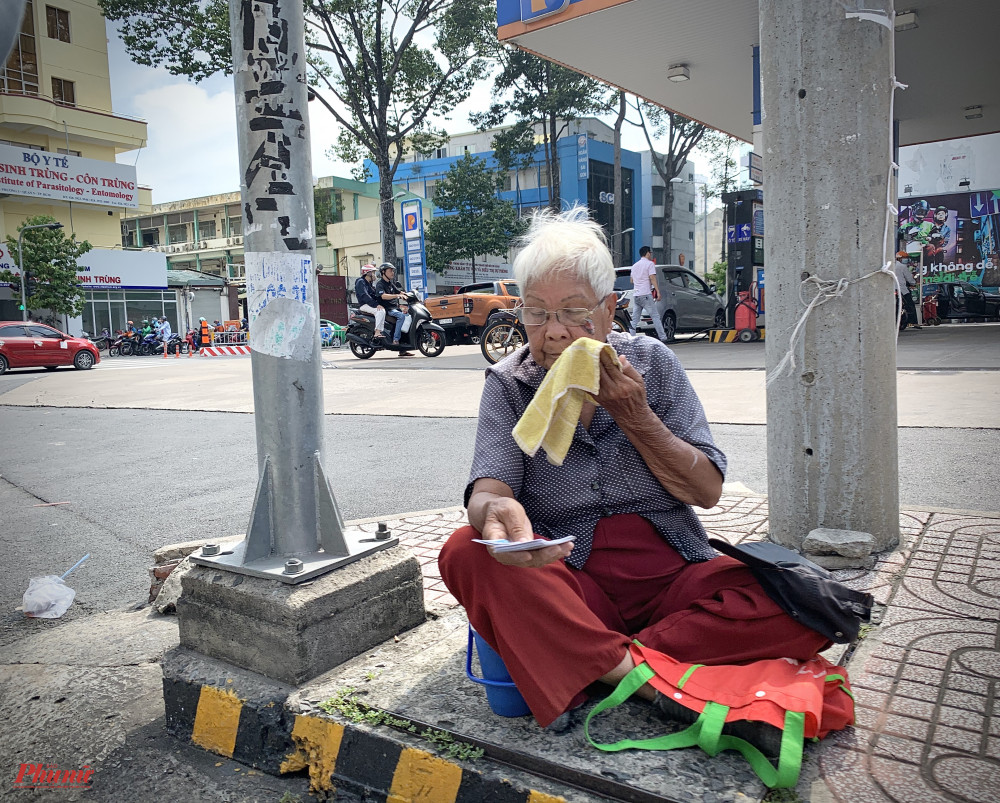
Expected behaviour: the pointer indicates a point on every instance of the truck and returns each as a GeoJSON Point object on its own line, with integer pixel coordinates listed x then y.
{"type": "Point", "coordinates": [465, 314]}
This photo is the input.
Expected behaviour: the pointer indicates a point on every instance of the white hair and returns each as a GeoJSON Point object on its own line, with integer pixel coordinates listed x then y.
{"type": "Point", "coordinates": [567, 243]}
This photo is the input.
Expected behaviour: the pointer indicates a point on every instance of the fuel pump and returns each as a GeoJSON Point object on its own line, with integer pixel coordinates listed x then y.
{"type": "Point", "coordinates": [745, 266]}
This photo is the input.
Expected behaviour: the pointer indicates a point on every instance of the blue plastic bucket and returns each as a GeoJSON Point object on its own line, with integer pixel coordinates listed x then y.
{"type": "Point", "coordinates": [501, 693]}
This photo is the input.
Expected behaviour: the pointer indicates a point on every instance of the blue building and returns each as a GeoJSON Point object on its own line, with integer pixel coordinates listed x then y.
{"type": "Point", "coordinates": [586, 168]}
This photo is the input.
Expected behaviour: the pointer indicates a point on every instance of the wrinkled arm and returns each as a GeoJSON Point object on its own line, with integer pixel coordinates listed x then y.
{"type": "Point", "coordinates": [682, 469]}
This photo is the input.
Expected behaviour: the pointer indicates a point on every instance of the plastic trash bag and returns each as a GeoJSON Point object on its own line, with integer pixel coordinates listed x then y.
{"type": "Point", "coordinates": [47, 597]}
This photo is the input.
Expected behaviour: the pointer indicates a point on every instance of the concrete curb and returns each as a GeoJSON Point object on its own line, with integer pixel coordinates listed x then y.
{"type": "Point", "coordinates": [242, 715]}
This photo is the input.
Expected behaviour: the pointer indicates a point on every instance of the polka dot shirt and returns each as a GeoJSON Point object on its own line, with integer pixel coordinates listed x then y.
{"type": "Point", "coordinates": [603, 473]}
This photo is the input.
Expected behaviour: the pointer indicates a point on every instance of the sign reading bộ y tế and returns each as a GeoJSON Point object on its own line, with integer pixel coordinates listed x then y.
{"type": "Point", "coordinates": [63, 177]}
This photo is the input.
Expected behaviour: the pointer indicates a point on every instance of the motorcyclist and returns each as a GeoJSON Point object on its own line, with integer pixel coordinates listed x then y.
{"type": "Point", "coordinates": [130, 328]}
{"type": "Point", "coordinates": [147, 328]}
{"type": "Point", "coordinates": [391, 293]}
{"type": "Point", "coordinates": [368, 300]}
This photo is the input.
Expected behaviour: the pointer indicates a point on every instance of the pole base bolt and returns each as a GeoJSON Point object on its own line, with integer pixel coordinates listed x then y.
{"type": "Point", "coordinates": [210, 549]}
{"type": "Point", "coordinates": [383, 532]}
{"type": "Point", "coordinates": [294, 566]}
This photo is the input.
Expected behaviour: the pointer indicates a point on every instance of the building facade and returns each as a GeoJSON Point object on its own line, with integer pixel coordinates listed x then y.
{"type": "Point", "coordinates": [58, 133]}
{"type": "Point", "coordinates": [55, 98]}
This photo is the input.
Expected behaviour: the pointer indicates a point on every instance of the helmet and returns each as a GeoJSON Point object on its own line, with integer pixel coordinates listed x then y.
{"type": "Point", "coordinates": [131, 321]}
{"type": "Point", "coordinates": [901, 255]}
{"type": "Point", "coordinates": [202, 320]}
{"type": "Point", "coordinates": [366, 269]}
{"type": "Point", "coordinates": [386, 266]}
{"type": "Point", "coordinates": [919, 208]}
{"type": "Point", "coordinates": [941, 209]}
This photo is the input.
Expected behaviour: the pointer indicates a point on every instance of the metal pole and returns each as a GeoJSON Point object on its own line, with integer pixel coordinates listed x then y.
{"type": "Point", "coordinates": [920, 289]}
{"type": "Point", "coordinates": [296, 531]}
{"type": "Point", "coordinates": [24, 278]}
{"type": "Point", "coordinates": [704, 218]}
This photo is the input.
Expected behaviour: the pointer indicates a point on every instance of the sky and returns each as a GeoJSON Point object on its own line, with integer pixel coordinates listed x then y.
{"type": "Point", "coordinates": [191, 127]}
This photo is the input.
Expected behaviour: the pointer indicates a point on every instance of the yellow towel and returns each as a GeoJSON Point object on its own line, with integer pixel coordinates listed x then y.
{"type": "Point", "coordinates": [550, 419]}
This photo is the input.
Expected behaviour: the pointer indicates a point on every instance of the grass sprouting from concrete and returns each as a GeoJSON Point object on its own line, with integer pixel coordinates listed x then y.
{"type": "Point", "coordinates": [346, 704]}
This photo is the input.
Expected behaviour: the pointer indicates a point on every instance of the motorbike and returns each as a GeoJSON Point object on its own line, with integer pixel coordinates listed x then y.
{"type": "Point", "coordinates": [419, 332]}
{"type": "Point", "coordinates": [505, 333]}
{"type": "Point", "coordinates": [174, 343]}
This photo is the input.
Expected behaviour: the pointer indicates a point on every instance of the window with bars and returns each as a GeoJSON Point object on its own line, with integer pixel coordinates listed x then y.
{"type": "Point", "coordinates": [57, 20]}
{"type": "Point", "coordinates": [63, 91]}
{"type": "Point", "coordinates": [21, 71]}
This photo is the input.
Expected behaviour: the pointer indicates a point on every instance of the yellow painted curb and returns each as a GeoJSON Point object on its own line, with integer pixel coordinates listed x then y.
{"type": "Point", "coordinates": [421, 777]}
{"type": "Point", "coordinates": [217, 720]}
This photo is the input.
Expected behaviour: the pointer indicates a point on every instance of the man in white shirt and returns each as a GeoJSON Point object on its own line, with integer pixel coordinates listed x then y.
{"type": "Point", "coordinates": [646, 292]}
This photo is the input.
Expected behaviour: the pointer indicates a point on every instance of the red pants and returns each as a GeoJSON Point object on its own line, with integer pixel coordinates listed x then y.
{"type": "Point", "coordinates": [558, 629]}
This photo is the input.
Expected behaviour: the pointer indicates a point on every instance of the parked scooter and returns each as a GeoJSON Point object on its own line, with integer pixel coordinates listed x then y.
{"type": "Point", "coordinates": [175, 343]}
{"type": "Point", "coordinates": [419, 331]}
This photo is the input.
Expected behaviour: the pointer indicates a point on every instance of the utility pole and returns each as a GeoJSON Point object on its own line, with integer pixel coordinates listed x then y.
{"type": "Point", "coordinates": [296, 531]}
{"type": "Point", "coordinates": [270, 621]}
{"type": "Point", "coordinates": [831, 421]}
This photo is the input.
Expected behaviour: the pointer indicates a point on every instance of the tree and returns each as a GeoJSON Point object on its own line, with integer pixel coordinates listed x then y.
{"type": "Point", "coordinates": [720, 149]}
{"type": "Point", "coordinates": [50, 259]}
{"type": "Point", "coordinates": [480, 223]}
{"type": "Point", "coordinates": [537, 93]}
{"type": "Point", "coordinates": [616, 211]}
{"type": "Point", "coordinates": [327, 208]}
{"type": "Point", "coordinates": [386, 67]}
{"type": "Point", "coordinates": [683, 135]}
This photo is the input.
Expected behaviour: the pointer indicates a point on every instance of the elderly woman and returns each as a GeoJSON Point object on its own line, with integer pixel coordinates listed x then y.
{"type": "Point", "coordinates": [562, 617]}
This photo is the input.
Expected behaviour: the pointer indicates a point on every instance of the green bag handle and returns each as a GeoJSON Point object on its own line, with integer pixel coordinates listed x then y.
{"type": "Point", "coordinates": [706, 733]}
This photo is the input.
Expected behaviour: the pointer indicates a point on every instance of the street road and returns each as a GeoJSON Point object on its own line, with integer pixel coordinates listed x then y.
{"type": "Point", "coordinates": [137, 478]}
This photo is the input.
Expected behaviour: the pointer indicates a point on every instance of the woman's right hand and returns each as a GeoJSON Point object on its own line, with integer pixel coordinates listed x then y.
{"type": "Point", "coordinates": [506, 518]}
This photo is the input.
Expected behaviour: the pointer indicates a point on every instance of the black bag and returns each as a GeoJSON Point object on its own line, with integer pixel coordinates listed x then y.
{"type": "Point", "coordinates": [807, 592]}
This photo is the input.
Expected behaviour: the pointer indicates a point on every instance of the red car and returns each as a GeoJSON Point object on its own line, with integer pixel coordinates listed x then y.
{"type": "Point", "coordinates": [35, 345]}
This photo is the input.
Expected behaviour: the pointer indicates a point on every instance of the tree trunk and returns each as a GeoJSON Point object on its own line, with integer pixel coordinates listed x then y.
{"type": "Point", "coordinates": [387, 214]}
{"type": "Point", "coordinates": [473, 268]}
{"type": "Point", "coordinates": [555, 194]}
{"type": "Point", "coordinates": [668, 223]}
{"type": "Point", "coordinates": [616, 209]}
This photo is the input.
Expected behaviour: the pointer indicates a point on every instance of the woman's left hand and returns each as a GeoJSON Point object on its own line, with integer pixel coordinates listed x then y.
{"type": "Point", "coordinates": [623, 392]}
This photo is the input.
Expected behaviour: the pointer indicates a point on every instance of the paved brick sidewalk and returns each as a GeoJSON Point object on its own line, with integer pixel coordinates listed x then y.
{"type": "Point", "coordinates": [926, 676]}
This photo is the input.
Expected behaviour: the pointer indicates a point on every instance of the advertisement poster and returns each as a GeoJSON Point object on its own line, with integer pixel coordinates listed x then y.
{"type": "Point", "coordinates": [958, 235]}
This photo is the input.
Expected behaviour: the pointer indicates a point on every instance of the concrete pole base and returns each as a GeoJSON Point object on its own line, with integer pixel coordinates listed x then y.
{"type": "Point", "coordinates": [292, 633]}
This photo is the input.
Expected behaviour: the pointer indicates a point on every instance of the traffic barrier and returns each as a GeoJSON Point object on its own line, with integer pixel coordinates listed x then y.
{"type": "Point", "coordinates": [219, 351]}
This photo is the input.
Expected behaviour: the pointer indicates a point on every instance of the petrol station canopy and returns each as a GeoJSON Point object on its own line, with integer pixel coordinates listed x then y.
{"type": "Point", "coordinates": [948, 60]}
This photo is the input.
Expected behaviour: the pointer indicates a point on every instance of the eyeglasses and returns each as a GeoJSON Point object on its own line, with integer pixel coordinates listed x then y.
{"type": "Point", "coordinates": [567, 316]}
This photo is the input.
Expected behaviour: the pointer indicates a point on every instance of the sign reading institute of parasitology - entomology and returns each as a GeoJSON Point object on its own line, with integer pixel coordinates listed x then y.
{"type": "Point", "coordinates": [62, 177]}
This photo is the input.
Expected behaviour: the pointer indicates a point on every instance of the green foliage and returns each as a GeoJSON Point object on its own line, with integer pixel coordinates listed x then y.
{"type": "Point", "coordinates": [717, 276]}
{"type": "Point", "coordinates": [327, 208]}
{"type": "Point", "coordinates": [721, 150]}
{"type": "Point", "coordinates": [50, 258]}
{"type": "Point", "coordinates": [481, 222]}
{"type": "Point", "coordinates": [288, 797]}
{"type": "Point", "coordinates": [382, 69]}
{"type": "Point", "coordinates": [346, 705]}
{"type": "Point", "coordinates": [535, 92]}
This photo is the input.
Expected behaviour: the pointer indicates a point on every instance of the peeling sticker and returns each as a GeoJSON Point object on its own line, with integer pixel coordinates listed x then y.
{"type": "Point", "coordinates": [271, 275]}
{"type": "Point", "coordinates": [285, 328]}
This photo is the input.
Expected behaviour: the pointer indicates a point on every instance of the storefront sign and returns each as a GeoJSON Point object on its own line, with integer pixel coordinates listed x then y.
{"type": "Point", "coordinates": [103, 269]}
{"type": "Point", "coordinates": [958, 235]}
{"type": "Point", "coordinates": [61, 177]}
{"type": "Point", "coordinates": [459, 272]}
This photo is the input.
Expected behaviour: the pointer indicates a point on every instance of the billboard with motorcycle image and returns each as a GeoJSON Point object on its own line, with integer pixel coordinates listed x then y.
{"type": "Point", "coordinates": [958, 235]}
